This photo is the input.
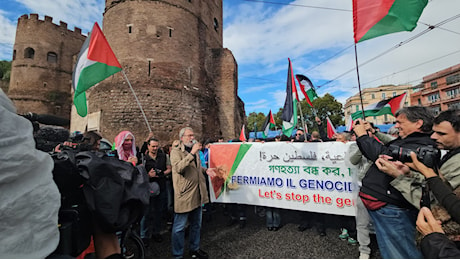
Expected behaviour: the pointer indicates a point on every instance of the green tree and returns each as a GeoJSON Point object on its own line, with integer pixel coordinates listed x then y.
{"type": "Point", "coordinates": [5, 70]}
{"type": "Point", "coordinates": [258, 119]}
{"type": "Point", "coordinates": [326, 106]}
{"type": "Point", "coordinates": [323, 107]}
{"type": "Point", "coordinates": [5, 73]}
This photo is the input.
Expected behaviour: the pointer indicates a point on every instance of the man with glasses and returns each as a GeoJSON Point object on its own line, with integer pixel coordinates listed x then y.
{"type": "Point", "coordinates": [299, 135]}
{"type": "Point", "coordinates": [189, 193]}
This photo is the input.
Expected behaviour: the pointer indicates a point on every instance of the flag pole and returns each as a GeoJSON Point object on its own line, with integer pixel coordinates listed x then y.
{"type": "Point", "coordinates": [359, 83]}
{"type": "Point", "coordinates": [137, 100]}
{"type": "Point", "coordinates": [302, 120]}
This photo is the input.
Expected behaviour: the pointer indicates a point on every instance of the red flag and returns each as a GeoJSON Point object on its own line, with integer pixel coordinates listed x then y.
{"type": "Point", "coordinates": [330, 128]}
{"type": "Point", "coordinates": [242, 135]}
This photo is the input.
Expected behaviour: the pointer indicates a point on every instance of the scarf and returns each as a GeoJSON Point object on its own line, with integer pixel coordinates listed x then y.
{"type": "Point", "coordinates": [119, 140]}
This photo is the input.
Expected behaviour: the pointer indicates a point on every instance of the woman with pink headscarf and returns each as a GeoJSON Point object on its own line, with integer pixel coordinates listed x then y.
{"type": "Point", "coordinates": [125, 144]}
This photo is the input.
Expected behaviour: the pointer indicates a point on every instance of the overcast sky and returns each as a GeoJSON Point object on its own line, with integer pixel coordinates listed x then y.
{"type": "Point", "coordinates": [316, 34]}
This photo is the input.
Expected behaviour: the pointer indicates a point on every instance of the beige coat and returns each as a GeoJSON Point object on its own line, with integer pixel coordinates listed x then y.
{"type": "Point", "coordinates": [188, 180]}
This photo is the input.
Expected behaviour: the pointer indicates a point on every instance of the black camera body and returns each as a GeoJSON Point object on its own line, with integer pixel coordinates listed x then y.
{"type": "Point", "coordinates": [428, 155]}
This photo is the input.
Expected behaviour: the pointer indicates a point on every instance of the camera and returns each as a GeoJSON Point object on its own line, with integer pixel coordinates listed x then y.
{"type": "Point", "coordinates": [159, 172]}
{"type": "Point", "coordinates": [428, 155]}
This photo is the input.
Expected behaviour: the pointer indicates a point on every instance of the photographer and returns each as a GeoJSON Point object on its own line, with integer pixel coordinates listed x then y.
{"type": "Point", "coordinates": [394, 217]}
{"type": "Point", "coordinates": [446, 133]}
{"type": "Point", "coordinates": [157, 165]}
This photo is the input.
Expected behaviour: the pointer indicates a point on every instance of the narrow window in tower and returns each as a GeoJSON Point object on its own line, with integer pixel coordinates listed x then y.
{"type": "Point", "coordinates": [29, 53]}
{"type": "Point", "coordinates": [14, 54]}
{"type": "Point", "coordinates": [130, 29]}
{"type": "Point", "coordinates": [170, 32]}
{"type": "Point", "coordinates": [150, 67]}
{"type": "Point", "coordinates": [51, 57]}
{"type": "Point", "coordinates": [216, 24]}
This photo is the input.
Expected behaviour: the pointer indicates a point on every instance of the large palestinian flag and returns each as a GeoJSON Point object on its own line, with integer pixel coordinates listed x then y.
{"type": "Point", "coordinates": [373, 18]}
{"type": "Point", "coordinates": [386, 106]}
{"type": "Point", "coordinates": [225, 159]}
{"type": "Point", "coordinates": [95, 63]}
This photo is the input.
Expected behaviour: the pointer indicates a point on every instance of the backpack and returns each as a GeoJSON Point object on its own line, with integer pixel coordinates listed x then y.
{"type": "Point", "coordinates": [115, 191]}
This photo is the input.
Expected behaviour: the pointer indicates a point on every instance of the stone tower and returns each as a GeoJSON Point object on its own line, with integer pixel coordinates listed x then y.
{"type": "Point", "coordinates": [171, 51]}
{"type": "Point", "coordinates": [41, 70]}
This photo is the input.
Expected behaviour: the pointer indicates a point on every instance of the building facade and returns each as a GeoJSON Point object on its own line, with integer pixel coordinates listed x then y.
{"type": "Point", "coordinates": [374, 95]}
{"type": "Point", "coordinates": [440, 91]}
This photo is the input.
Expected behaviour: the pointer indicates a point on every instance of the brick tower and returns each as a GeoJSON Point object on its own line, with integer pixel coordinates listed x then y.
{"type": "Point", "coordinates": [41, 70]}
{"type": "Point", "coordinates": [171, 51]}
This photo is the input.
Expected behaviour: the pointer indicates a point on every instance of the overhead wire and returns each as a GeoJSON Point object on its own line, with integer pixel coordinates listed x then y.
{"type": "Point", "coordinates": [415, 66]}
{"type": "Point", "coordinates": [431, 27]}
{"type": "Point", "coordinates": [299, 5]}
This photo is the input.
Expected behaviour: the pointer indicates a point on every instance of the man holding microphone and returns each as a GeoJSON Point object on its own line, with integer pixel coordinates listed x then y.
{"type": "Point", "coordinates": [189, 193]}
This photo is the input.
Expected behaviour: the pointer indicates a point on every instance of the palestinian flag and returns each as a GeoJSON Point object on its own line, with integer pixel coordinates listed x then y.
{"type": "Point", "coordinates": [226, 159]}
{"type": "Point", "coordinates": [242, 135]}
{"type": "Point", "coordinates": [95, 63]}
{"type": "Point", "coordinates": [289, 115]}
{"type": "Point", "coordinates": [384, 107]}
{"type": "Point", "coordinates": [307, 88]}
{"type": "Point", "coordinates": [373, 18]}
{"type": "Point", "coordinates": [330, 128]}
{"type": "Point", "coordinates": [269, 122]}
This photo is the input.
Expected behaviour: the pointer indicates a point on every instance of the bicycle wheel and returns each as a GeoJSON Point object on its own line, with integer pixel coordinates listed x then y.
{"type": "Point", "coordinates": [133, 247]}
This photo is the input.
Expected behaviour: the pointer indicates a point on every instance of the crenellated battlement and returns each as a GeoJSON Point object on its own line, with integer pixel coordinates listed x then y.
{"type": "Point", "coordinates": [48, 20]}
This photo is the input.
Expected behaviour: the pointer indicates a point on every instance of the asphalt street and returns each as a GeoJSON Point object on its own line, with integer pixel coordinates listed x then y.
{"type": "Point", "coordinates": [254, 241]}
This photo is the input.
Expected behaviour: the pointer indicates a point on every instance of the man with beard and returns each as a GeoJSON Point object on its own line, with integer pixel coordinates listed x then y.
{"type": "Point", "coordinates": [189, 193]}
{"type": "Point", "coordinates": [393, 215]}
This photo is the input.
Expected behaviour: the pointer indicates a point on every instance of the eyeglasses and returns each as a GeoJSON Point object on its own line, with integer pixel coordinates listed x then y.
{"type": "Point", "coordinates": [298, 134]}
{"type": "Point", "coordinates": [189, 135]}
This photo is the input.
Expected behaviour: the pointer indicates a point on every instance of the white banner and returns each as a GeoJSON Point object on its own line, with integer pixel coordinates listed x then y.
{"type": "Point", "coordinates": [300, 176]}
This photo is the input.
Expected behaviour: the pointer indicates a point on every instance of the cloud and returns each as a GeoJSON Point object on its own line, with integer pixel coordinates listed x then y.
{"type": "Point", "coordinates": [320, 45]}
{"type": "Point", "coordinates": [81, 14]}
{"type": "Point", "coordinates": [7, 35]}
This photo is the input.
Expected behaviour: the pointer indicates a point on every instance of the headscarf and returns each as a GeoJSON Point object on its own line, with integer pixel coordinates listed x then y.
{"type": "Point", "coordinates": [119, 140]}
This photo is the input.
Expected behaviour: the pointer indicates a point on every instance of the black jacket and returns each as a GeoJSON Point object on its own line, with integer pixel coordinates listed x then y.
{"type": "Point", "coordinates": [377, 183]}
{"type": "Point", "coordinates": [437, 245]}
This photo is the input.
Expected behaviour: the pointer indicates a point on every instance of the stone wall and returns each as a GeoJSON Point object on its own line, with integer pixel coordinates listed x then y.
{"type": "Point", "coordinates": [166, 49]}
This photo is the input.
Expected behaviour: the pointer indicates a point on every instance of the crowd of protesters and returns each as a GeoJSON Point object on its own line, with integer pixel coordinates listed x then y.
{"type": "Point", "coordinates": [389, 203]}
